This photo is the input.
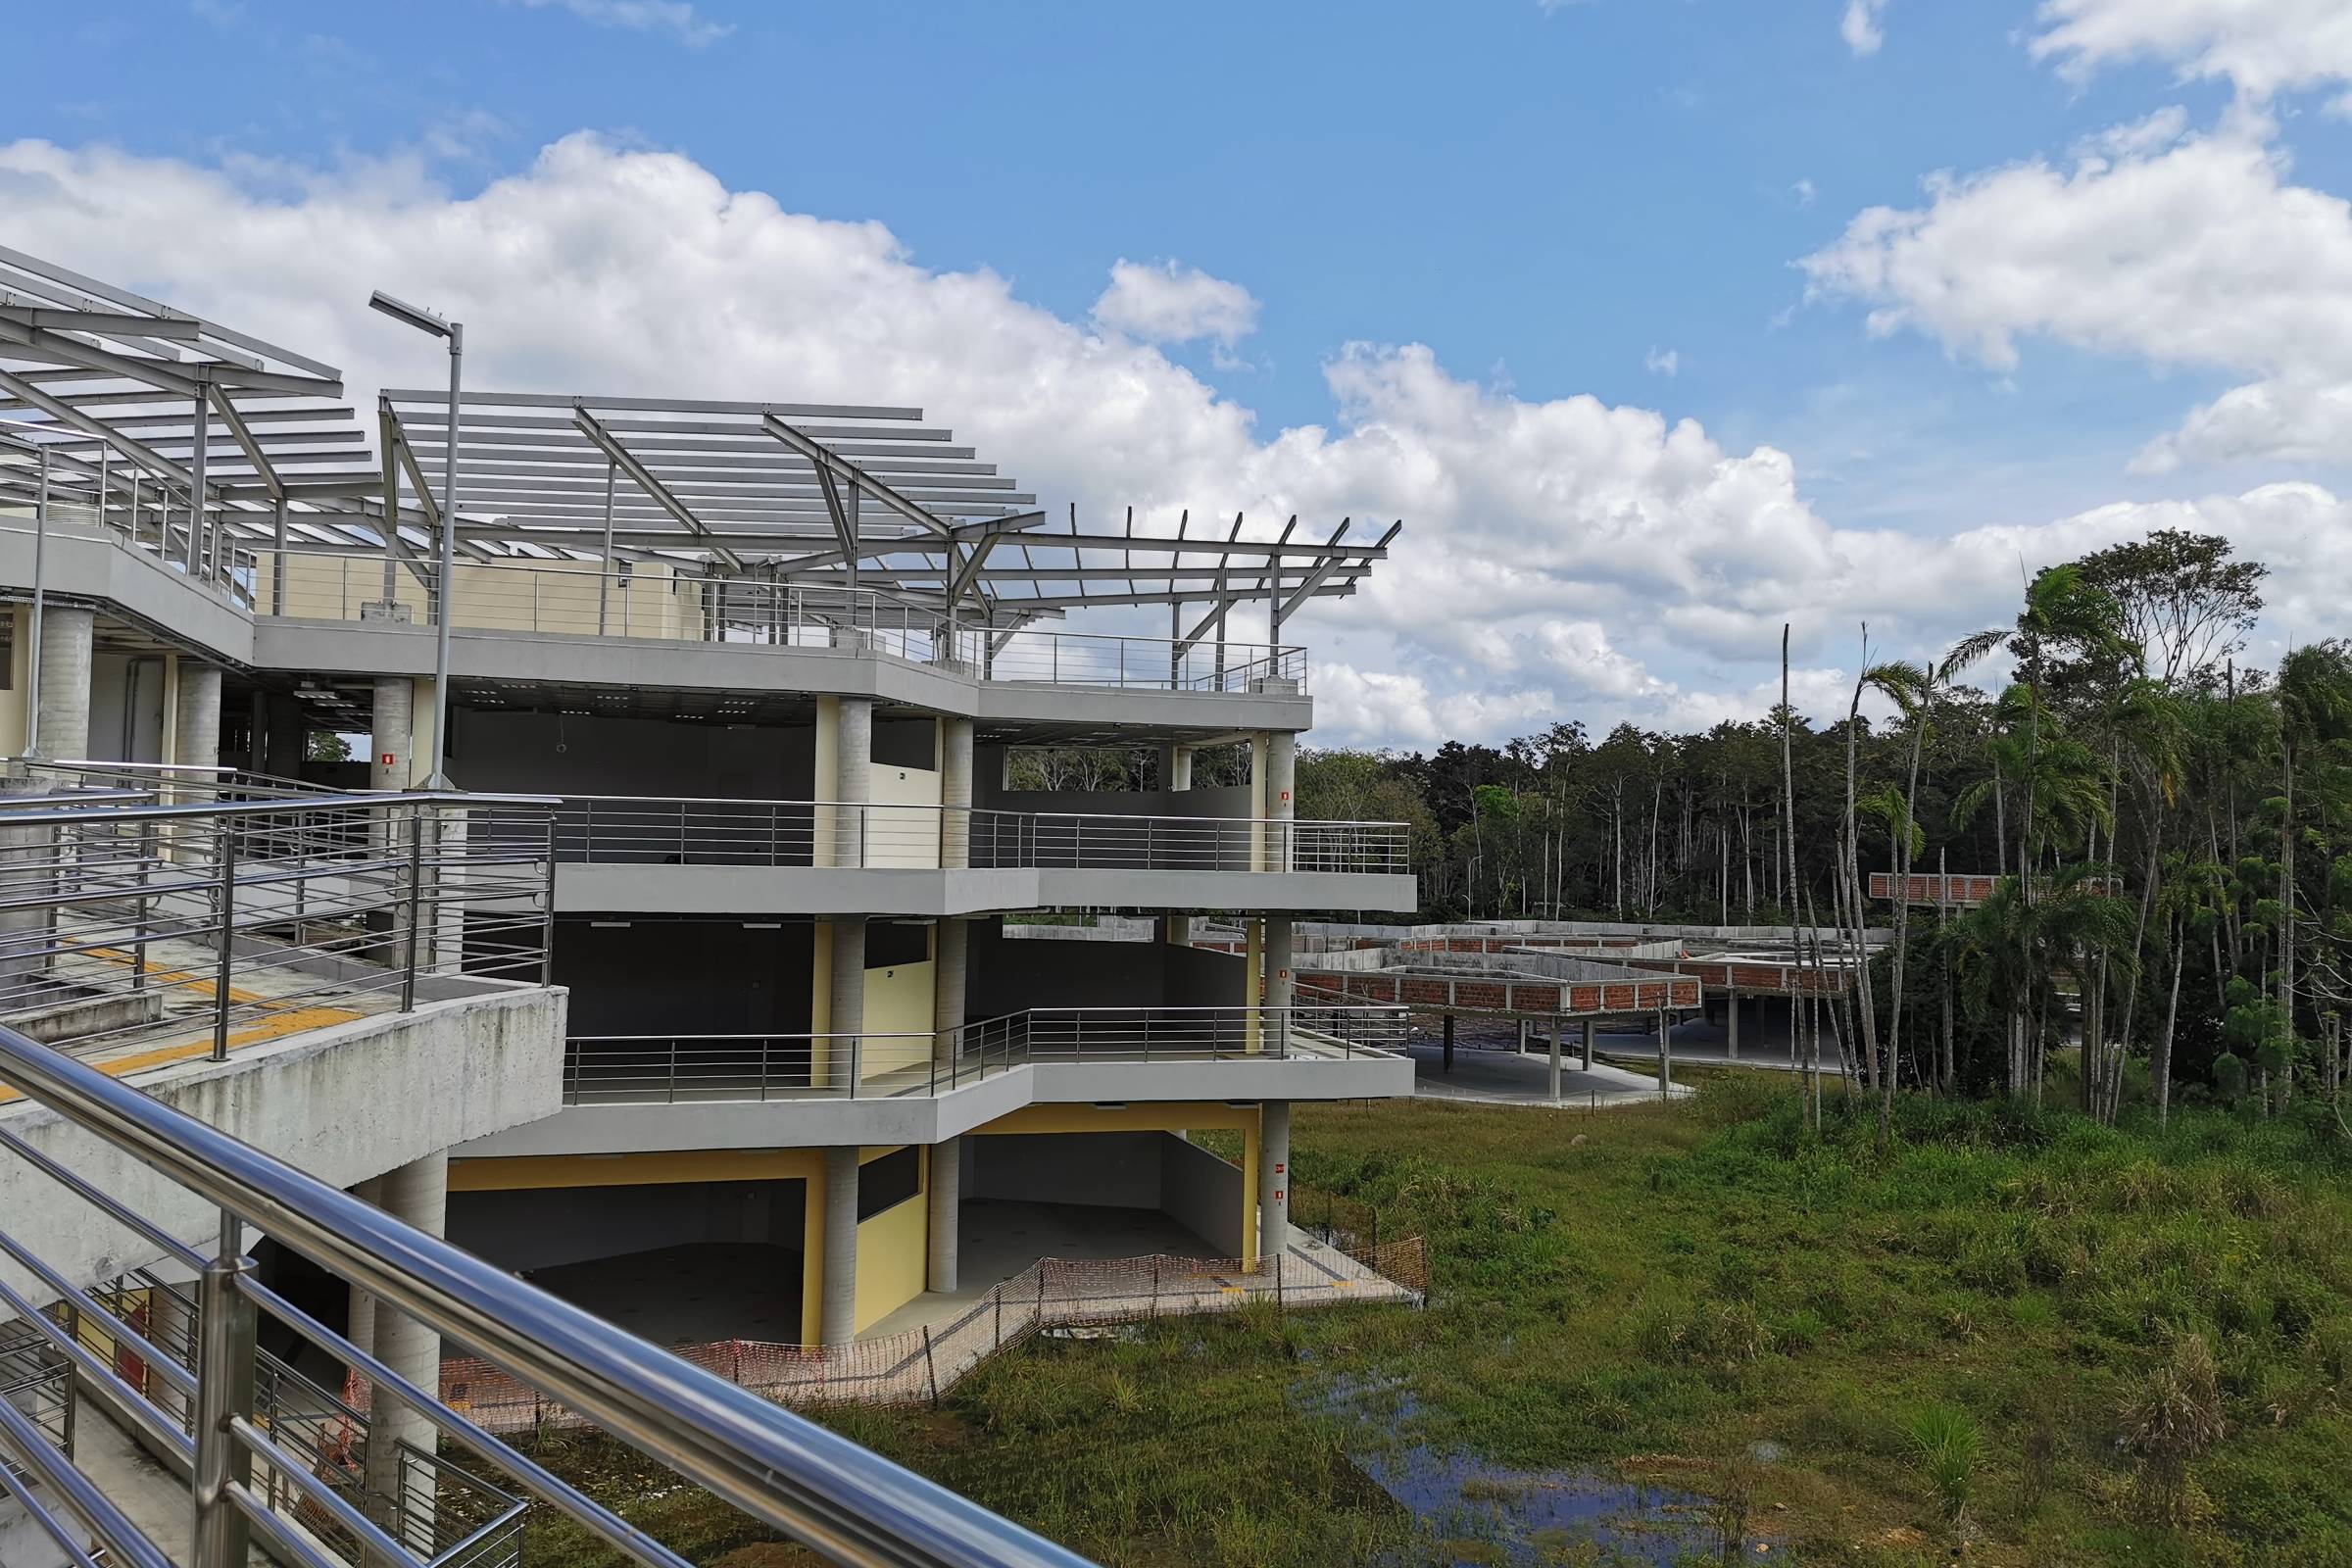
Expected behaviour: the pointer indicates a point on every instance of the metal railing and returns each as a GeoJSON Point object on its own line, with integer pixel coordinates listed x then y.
{"type": "Point", "coordinates": [851, 1505]}
{"type": "Point", "coordinates": [669, 1069]}
{"type": "Point", "coordinates": [684, 1068]}
{"type": "Point", "coordinates": [671, 601]}
{"type": "Point", "coordinates": [649, 830]}
{"type": "Point", "coordinates": [451, 1515]}
{"type": "Point", "coordinates": [234, 921]}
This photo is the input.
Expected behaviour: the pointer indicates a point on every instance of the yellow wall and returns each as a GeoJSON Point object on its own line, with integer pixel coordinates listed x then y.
{"type": "Point", "coordinates": [15, 700]}
{"type": "Point", "coordinates": [892, 1249]}
{"type": "Point", "coordinates": [903, 838]}
{"type": "Point", "coordinates": [898, 1001]}
{"type": "Point", "coordinates": [499, 596]}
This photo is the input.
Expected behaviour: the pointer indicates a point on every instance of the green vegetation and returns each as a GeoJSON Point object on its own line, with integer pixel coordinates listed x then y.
{"type": "Point", "coordinates": [2016, 1331]}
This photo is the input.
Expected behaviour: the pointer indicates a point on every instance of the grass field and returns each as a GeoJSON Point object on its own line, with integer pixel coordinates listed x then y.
{"type": "Point", "coordinates": [2018, 1337]}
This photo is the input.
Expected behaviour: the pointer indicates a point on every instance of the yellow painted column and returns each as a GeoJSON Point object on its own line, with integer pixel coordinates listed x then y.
{"type": "Point", "coordinates": [820, 999]}
{"type": "Point", "coordinates": [825, 779]}
{"type": "Point", "coordinates": [1249, 1150]}
{"type": "Point", "coordinates": [812, 1259]}
{"type": "Point", "coordinates": [1254, 979]}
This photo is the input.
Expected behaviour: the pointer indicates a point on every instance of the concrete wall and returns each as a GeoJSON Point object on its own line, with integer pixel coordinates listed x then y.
{"type": "Point", "coordinates": [610, 756]}
{"type": "Point", "coordinates": [533, 1229]}
{"type": "Point", "coordinates": [1201, 1193]}
{"type": "Point", "coordinates": [342, 1104]}
{"type": "Point", "coordinates": [129, 696]}
{"type": "Point", "coordinates": [685, 976]}
{"type": "Point", "coordinates": [1102, 1170]}
{"type": "Point", "coordinates": [1011, 974]}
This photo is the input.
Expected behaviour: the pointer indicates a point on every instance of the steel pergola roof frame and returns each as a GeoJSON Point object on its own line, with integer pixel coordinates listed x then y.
{"type": "Point", "coordinates": [151, 416]}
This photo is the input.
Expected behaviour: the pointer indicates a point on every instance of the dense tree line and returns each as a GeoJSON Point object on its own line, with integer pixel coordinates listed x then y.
{"type": "Point", "coordinates": [2170, 827]}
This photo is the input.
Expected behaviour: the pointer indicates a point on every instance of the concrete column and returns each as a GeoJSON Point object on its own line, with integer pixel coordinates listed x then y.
{"type": "Point", "coordinates": [1273, 1181]}
{"type": "Point", "coordinates": [1282, 784]}
{"type": "Point", "coordinates": [1665, 1056]}
{"type": "Point", "coordinates": [1278, 981]}
{"type": "Point", "coordinates": [846, 990]}
{"type": "Point", "coordinates": [1523, 1028]}
{"type": "Point", "coordinates": [853, 783]}
{"type": "Point", "coordinates": [359, 1326]}
{"type": "Point", "coordinates": [839, 1323]}
{"type": "Point", "coordinates": [1175, 767]}
{"type": "Point", "coordinates": [416, 1193]}
{"type": "Point", "coordinates": [196, 732]}
{"type": "Point", "coordinates": [955, 793]}
{"type": "Point", "coordinates": [948, 970]}
{"type": "Point", "coordinates": [1552, 1068]}
{"type": "Point", "coordinates": [947, 1209]}
{"type": "Point", "coordinates": [1592, 1027]}
{"type": "Point", "coordinates": [1730, 1026]}
{"type": "Point", "coordinates": [62, 703]}
{"type": "Point", "coordinates": [1179, 930]}
{"type": "Point", "coordinates": [393, 735]}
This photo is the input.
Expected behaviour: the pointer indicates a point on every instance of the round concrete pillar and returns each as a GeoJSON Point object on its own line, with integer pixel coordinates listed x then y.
{"type": "Point", "coordinates": [416, 1193]}
{"type": "Point", "coordinates": [955, 793]}
{"type": "Point", "coordinates": [1278, 982]}
{"type": "Point", "coordinates": [952, 939]}
{"type": "Point", "coordinates": [947, 1209]}
{"type": "Point", "coordinates": [196, 730]}
{"type": "Point", "coordinates": [1273, 1181]}
{"type": "Point", "coordinates": [1282, 786]}
{"type": "Point", "coordinates": [61, 710]}
{"type": "Point", "coordinates": [839, 1323]}
{"type": "Point", "coordinates": [846, 989]}
{"type": "Point", "coordinates": [854, 784]}
{"type": "Point", "coordinates": [391, 762]}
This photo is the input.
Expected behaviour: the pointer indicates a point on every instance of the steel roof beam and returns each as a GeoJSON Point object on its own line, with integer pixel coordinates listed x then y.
{"type": "Point", "coordinates": [848, 473]}
{"type": "Point", "coordinates": [627, 462]}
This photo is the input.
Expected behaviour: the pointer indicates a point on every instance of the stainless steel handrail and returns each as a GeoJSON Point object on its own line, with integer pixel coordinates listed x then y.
{"type": "Point", "coordinates": [846, 1502]}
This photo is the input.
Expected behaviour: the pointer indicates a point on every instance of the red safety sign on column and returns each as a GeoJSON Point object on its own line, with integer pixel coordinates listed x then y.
{"type": "Point", "coordinates": [387, 759]}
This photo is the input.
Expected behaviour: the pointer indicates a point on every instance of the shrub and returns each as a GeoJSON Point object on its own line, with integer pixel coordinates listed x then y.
{"type": "Point", "coordinates": [2174, 1416]}
{"type": "Point", "coordinates": [1947, 1441]}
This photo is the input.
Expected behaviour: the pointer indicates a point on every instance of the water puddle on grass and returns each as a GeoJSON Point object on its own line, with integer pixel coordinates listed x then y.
{"type": "Point", "coordinates": [1486, 1516]}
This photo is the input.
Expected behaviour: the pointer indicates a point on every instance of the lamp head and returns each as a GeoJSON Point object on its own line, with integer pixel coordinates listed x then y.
{"type": "Point", "coordinates": [401, 311]}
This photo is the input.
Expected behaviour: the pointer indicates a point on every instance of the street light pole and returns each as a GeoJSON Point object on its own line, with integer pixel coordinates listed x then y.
{"type": "Point", "coordinates": [446, 577]}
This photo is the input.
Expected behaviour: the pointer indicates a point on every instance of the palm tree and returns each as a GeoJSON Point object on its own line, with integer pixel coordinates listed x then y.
{"type": "Point", "coordinates": [2315, 712]}
{"type": "Point", "coordinates": [2065, 613]}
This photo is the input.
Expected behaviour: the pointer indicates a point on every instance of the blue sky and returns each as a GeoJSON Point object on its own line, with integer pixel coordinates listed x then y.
{"type": "Point", "coordinates": [1602, 196]}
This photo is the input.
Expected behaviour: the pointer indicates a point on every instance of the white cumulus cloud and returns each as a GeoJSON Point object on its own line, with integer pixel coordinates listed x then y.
{"type": "Point", "coordinates": [1863, 26]}
{"type": "Point", "coordinates": [1166, 303]}
{"type": "Point", "coordinates": [1563, 558]}
{"type": "Point", "coordinates": [2195, 250]}
{"type": "Point", "coordinates": [677, 18]}
{"type": "Point", "coordinates": [2261, 46]}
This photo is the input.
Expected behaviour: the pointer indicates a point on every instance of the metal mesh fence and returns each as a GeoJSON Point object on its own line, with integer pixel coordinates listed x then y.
{"type": "Point", "coordinates": [920, 1365]}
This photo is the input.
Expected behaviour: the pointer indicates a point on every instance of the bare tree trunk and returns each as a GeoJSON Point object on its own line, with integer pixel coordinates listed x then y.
{"type": "Point", "coordinates": [1864, 1003]}
{"type": "Point", "coordinates": [1789, 832]}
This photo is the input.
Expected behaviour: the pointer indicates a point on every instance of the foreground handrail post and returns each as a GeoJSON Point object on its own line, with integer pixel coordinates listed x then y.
{"type": "Point", "coordinates": [225, 892]}
{"type": "Point", "coordinates": [407, 976]}
{"type": "Point", "coordinates": [547, 911]}
{"type": "Point", "coordinates": [225, 1356]}
{"type": "Point", "coordinates": [138, 945]}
